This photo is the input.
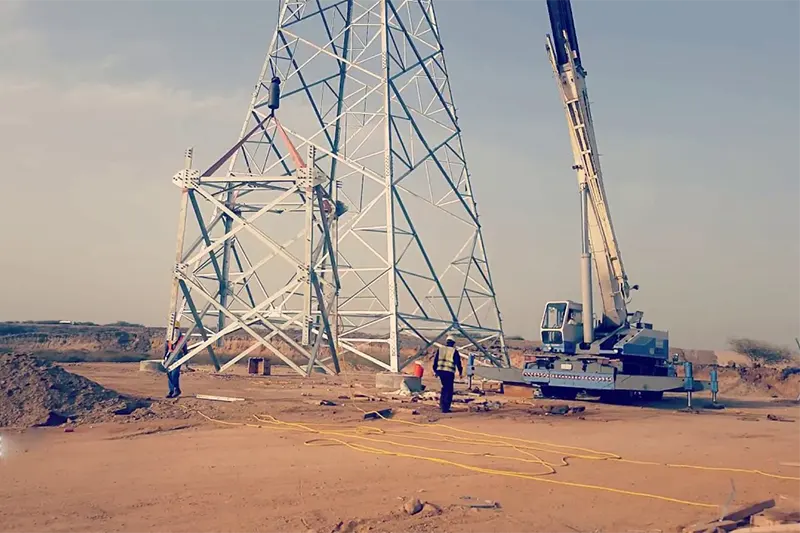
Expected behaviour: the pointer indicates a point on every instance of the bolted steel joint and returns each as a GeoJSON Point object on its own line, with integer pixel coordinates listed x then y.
{"type": "Point", "coordinates": [187, 178]}
{"type": "Point", "coordinates": [181, 270]}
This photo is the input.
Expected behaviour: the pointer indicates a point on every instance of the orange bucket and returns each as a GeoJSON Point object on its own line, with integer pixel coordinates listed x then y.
{"type": "Point", "coordinates": [418, 370]}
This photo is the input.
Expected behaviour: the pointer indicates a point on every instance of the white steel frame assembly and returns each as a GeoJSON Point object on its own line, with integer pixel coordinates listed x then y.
{"type": "Point", "coordinates": [371, 245]}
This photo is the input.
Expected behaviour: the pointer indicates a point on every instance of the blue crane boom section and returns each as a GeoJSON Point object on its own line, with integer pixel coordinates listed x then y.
{"type": "Point", "coordinates": [561, 21]}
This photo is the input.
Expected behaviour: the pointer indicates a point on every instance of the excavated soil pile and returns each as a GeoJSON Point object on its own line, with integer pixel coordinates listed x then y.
{"type": "Point", "coordinates": [760, 381]}
{"type": "Point", "coordinates": [37, 393]}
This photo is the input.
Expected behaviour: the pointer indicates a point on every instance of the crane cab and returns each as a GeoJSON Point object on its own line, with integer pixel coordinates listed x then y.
{"type": "Point", "coordinates": [562, 327]}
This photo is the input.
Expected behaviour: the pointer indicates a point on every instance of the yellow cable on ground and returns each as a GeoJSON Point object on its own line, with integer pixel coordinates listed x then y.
{"type": "Point", "coordinates": [596, 455]}
{"type": "Point", "coordinates": [338, 436]}
{"type": "Point", "coordinates": [712, 468]}
{"type": "Point", "coordinates": [304, 427]}
{"type": "Point", "coordinates": [507, 473]}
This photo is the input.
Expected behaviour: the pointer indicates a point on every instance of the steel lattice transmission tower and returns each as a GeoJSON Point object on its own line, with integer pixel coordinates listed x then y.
{"type": "Point", "coordinates": [345, 222]}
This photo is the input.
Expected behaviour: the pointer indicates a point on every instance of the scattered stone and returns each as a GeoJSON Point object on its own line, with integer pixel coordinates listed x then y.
{"type": "Point", "coordinates": [412, 506]}
{"type": "Point", "coordinates": [491, 386]}
{"type": "Point", "coordinates": [484, 406]}
{"type": "Point", "coordinates": [557, 409]}
{"type": "Point", "coordinates": [430, 509]}
{"type": "Point", "coordinates": [350, 526]}
{"type": "Point", "coordinates": [777, 418]}
{"type": "Point", "coordinates": [463, 400]}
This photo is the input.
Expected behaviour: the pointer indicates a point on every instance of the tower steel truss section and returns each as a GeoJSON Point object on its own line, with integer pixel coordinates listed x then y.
{"type": "Point", "coordinates": [371, 246]}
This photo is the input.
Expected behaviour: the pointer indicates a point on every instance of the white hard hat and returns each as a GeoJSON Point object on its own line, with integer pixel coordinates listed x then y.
{"type": "Point", "coordinates": [450, 338]}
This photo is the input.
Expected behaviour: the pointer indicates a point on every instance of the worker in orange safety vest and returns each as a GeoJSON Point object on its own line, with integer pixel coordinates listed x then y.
{"type": "Point", "coordinates": [445, 363]}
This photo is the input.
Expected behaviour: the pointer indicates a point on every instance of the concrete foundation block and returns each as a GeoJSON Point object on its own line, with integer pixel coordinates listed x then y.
{"type": "Point", "coordinates": [388, 380]}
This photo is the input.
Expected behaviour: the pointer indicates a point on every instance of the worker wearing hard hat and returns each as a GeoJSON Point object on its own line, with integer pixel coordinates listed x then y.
{"type": "Point", "coordinates": [445, 363]}
{"type": "Point", "coordinates": [174, 376]}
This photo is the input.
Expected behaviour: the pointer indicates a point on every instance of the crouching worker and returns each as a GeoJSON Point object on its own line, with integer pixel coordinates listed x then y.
{"type": "Point", "coordinates": [174, 376]}
{"type": "Point", "coordinates": [445, 363]}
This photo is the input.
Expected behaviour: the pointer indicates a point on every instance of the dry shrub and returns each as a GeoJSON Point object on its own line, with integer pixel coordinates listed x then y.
{"type": "Point", "coordinates": [760, 351]}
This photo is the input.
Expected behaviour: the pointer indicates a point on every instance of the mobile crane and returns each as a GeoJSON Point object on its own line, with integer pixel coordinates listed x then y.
{"type": "Point", "coordinates": [619, 355]}
{"type": "Point", "coordinates": [568, 327]}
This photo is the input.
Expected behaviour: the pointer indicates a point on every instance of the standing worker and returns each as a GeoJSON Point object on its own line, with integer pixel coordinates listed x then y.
{"type": "Point", "coordinates": [445, 363]}
{"type": "Point", "coordinates": [174, 376]}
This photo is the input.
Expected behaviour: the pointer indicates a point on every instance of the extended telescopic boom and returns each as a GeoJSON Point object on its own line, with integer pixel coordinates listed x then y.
{"type": "Point", "coordinates": [599, 238]}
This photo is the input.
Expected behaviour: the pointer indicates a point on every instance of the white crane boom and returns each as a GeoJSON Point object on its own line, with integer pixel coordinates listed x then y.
{"type": "Point", "coordinates": [602, 241]}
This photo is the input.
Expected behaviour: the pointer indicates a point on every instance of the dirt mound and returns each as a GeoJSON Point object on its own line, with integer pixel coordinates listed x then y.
{"type": "Point", "coordinates": [37, 393]}
{"type": "Point", "coordinates": [759, 381]}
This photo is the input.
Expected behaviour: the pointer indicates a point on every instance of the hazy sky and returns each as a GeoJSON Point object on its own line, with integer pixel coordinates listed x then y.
{"type": "Point", "coordinates": [695, 107]}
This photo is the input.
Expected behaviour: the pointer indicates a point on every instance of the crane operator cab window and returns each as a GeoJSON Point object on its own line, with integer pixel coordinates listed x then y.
{"type": "Point", "coordinates": [560, 324]}
{"type": "Point", "coordinates": [554, 315]}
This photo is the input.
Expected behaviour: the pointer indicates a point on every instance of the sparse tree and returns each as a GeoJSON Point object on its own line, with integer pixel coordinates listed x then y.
{"type": "Point", "coordinates": [760, 351]}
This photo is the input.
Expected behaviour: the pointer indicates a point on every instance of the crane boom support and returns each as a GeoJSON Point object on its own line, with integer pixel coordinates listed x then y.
{"type": "Point", "coordinates": [566, 62]}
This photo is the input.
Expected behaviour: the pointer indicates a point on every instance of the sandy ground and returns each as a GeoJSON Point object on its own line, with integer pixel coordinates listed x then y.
{"type": "Point", "coordinates": [193, 474]}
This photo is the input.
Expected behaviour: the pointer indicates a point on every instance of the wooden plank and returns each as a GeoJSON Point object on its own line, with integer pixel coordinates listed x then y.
{"type": "Point", "coordinates": [218, 398]}
{"type": "Point", "coordinates": [750, 510]}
